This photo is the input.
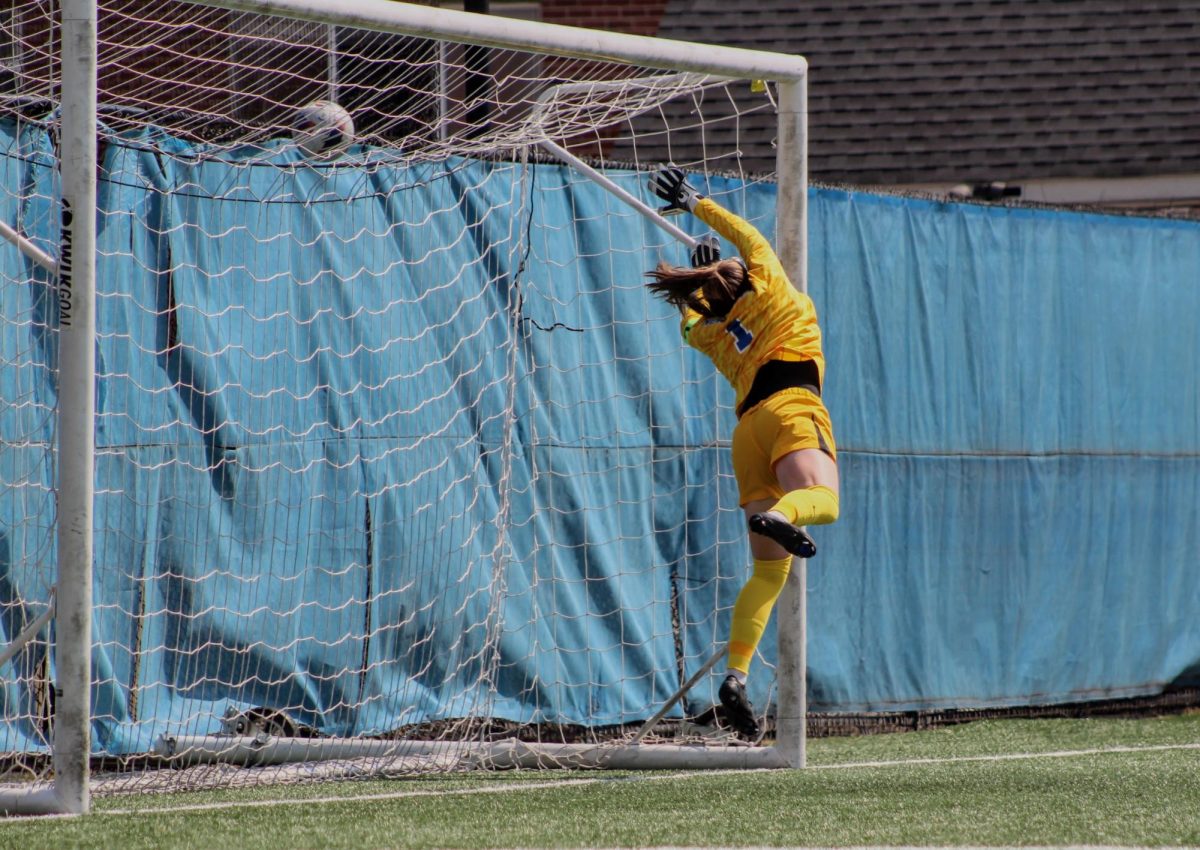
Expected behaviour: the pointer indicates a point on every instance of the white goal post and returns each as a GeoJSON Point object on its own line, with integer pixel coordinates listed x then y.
{"type": "Point", "coordinates": [73, 270]}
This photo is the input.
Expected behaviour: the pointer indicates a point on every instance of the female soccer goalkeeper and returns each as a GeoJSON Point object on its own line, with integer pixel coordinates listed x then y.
{"type": "Point", "coordinates": [762, 334]}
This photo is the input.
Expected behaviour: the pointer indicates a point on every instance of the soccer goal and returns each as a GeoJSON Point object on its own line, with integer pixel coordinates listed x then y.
{"type": "Point", "coordinates": [338, 436]}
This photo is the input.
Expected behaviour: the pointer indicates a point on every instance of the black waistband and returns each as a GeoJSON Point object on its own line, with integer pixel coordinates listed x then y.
{"type": "Point", "coordinates": [776, 375]}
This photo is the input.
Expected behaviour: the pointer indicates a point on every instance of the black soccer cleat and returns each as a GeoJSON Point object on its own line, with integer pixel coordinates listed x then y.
{"type": "Point", "coordinates": [738, 711]}
{"type": "Point", "coordinates": [790, 537]}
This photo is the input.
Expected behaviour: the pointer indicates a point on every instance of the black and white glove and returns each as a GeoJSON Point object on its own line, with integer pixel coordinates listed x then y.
{"type": "Point", "coordinates": [671, 185]}
{"type": "Point", "coordinates": [706, 252]}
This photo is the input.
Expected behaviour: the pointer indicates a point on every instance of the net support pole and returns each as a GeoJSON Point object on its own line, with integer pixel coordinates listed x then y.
{"type": "Point", "coordinates": [77, 361]}
{"type": "Point", "coordinates": [27, 248]}
{"type": "Point", "coordinates": [649, 725]}
{"type": "Point", "coordinates": [791, 240]}
{"type": "Point", "coordinates": [28, 633]}
{"type": "Point", "coordinates": [652, 215]}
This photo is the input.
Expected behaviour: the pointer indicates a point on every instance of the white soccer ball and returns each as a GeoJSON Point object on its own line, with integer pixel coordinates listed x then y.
{"type": "Point", "coordinates": [322, 129]}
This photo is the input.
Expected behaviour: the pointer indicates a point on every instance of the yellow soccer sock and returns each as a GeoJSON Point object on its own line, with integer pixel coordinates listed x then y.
{"type": "Point", "coordinates": [753, 609]}
{"type": "Point", "coordinates": [809, 506]}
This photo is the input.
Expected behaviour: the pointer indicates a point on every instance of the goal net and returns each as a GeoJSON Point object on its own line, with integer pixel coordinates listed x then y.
{"type": "Point", "coordinates": [397, 467]}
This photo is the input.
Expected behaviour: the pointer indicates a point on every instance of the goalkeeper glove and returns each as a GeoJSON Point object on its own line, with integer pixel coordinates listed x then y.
{"type": "Point", "coordinates": [671, 185]}
{"type": "Point", "coordinates": [706, 252]}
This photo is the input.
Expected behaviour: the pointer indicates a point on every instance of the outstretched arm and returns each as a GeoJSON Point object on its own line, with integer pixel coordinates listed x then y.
{"type": "Point", "coordinates": [751, 244]}
{"type": "Point", "coordinates": [671, 185]}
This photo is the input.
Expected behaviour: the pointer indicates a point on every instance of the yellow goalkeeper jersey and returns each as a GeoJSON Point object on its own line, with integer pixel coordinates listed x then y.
{"type": "Point", "coordinates": [773, 321]}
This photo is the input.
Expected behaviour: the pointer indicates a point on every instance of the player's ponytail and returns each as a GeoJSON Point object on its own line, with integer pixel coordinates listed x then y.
{"type": "Point", "coordinates": [709, 290]}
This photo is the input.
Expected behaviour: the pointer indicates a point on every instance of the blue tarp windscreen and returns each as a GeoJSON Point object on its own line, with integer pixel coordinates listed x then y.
{"type": "Point", "coordinates": [297, 444]}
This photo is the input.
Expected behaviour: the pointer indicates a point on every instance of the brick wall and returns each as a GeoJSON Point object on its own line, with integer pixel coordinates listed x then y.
{"type": "Point", "coordinates": [640, 17]}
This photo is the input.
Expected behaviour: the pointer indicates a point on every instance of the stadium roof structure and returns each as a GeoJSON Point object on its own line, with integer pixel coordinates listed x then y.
{"type": "Point", "coordinates": [911, 92]}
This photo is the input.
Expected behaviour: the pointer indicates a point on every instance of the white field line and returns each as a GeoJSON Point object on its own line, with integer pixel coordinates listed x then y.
{"type": "Point", "coordinates": [598, 778]}
{"type": "Point", "coordinates": [1050, 754]}
{"type": "Point", "coordinates": [940, 847]}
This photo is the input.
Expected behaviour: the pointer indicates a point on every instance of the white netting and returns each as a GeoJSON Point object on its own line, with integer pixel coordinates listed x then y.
{"type": "Point", "coordinates": [393, 452]}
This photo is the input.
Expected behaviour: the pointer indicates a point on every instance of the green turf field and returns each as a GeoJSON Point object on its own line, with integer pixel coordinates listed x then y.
{"type": "Point", "coordinates": [1040, 782]}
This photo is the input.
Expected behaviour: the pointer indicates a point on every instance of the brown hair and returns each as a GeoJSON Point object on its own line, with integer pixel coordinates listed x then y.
{"type": "Point", "coordinates": [709, 290]}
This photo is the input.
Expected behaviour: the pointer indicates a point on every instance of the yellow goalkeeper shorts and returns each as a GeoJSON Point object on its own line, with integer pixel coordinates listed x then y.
{"type": "Point", "coordinates": [790, 420]}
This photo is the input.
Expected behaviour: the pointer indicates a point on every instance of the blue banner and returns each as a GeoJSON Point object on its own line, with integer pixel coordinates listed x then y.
{"type": "Point", "coordinates": [299, 439]}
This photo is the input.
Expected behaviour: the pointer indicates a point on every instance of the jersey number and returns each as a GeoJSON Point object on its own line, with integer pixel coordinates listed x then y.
{"type": "Point", "coordinates": [741, 337]}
